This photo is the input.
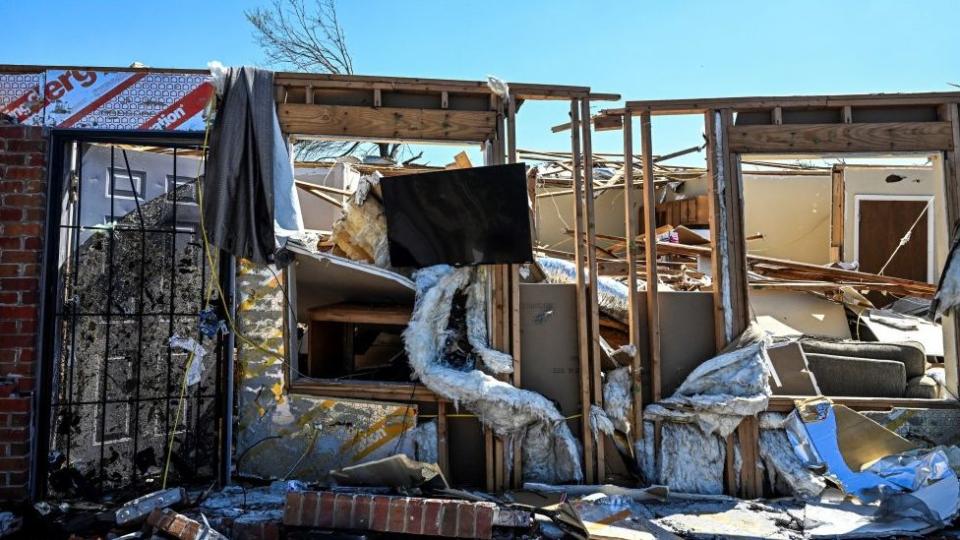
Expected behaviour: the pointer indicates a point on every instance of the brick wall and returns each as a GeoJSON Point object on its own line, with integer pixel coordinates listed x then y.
{"type": "Point", "coordinates": [22, 192]}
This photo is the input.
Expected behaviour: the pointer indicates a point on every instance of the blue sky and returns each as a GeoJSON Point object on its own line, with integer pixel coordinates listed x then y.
{"type": "Point", "coordinates": [639, 49]}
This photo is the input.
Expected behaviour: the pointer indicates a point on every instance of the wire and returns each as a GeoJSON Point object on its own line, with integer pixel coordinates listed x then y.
{"type": "Point", "coordinates": [904, 240]}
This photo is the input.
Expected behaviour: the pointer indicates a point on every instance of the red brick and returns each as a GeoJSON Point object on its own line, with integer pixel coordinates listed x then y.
{"type": "Point", "coordinates": [19, 256]}
{"type": "Point", "coordinates": [343, 511]}
{"type": "Point", "coordinates": [13, 434]}
{"type": "Point", "coordinates": [14, 159]}
{"type": "Point", "coordinates": [10, 242]}
{"type": "Point", "coordinates": [22, 229]}
{"type": "Point", "coordinates": [307, 507]}
{"type": "Point", "coordinates": [19, 421]}
{"type": "Point", "coordinates": [14, 405]}
{"type": "Point", "coordinates": [15, 341]}
{"type": "Point", "coordinates": [8, 298]}
{"type": "Point", "coordinates": [34, 200]}
{"type": "Point", "coordinates": [13, 493]}
{"type": "Point", "coordinates": [19, 284]}
{"type": "Point", "coordinates": [10, 213]}
{"type": "Point", "coordinates": [381, 513]}
{"type": "Point", "coordinates": [23, 173]}
{"type": "Point", "coordinates": [16, 312]}
{"type": "Point", "coordinates": [467, 521]}
{"type": "Point", "coordinates": [27, 355]}
{"type": "Point", "coordinates": [397, 518]}
{"type": "Point", "coordinates": [10, 186]}
{"type": "Point", "coordinates": [36, 160]}
{"type": "Point", "coordinates": [13, 132]}
{"type": "Point", "coordinates": [34, 186]}
{"type": "Point", "coordinates": [32, 243]}
{"type": "Point", "coordinates": [484, 521]}
{"type": "Point", "coordinates": [28, 327]}
{"type": "Point", "coordinates": [323, 511]}
{"type": "Point", "coordinates": [362, 509]}
{"type": "Point", "coordinates": [25, 146]}
{"type": "Point", "coordinates": [448, 522]}
{"type": "Point", "coordinates": [10, 270]}
{"type": "Point", "coordinates": [414, 516]}
{"type": "Point", "coordinates": [19, 463]}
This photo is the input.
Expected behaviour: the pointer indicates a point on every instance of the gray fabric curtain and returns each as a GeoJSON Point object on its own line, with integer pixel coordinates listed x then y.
{"type": "Point", "coordinates": [238, 205]}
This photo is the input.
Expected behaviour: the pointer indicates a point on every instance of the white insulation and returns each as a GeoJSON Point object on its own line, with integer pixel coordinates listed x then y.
{"type": "Point", "coordinates": [550, 451]}
{"type": "Point", "coordinates": [707, 407]}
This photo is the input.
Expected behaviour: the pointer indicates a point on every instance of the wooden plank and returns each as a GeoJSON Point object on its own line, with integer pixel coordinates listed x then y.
{"type": "Point", "coordinates": [362, 313]}
{"type": "Point", "coordinates": [374, 390]}
{"type": "Point", "coordinates": [594, 335]}
{"type": "Point", "coordinates": [787, 403]}
{"type": "Point", "coordinates": [751, 479]}
{"type": "Point", "coordinates": [886, 137]}
{"type": "Point", "coordinates": [631, 210]}
{"type": "Point", "coordinates": [516, 479]}
{"type": "Point", "coordinates": [583, 334]}
{"type": "Point", "coordinates": [836, 213]}
{"type": "Point", "coordinates": [950, 112]}
{"type": "Point", "coordinates": [443, 445]}
{"type": "Point", "coordinates": [608, 123]}
{"type": "Point", "coordinates": [650, 254]}
{"type": "Point", "coordinates": [727, 246]}
{"type": "Point", "coordinates": [386, 123]}
{"type": "Point", "coordinates": [702, 105]}
{"type": "Point", "coordinates": [511, 130]}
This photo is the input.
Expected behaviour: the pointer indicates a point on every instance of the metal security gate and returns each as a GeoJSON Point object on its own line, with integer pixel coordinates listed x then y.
{"type": "Point", "coordinates": [127, 280]}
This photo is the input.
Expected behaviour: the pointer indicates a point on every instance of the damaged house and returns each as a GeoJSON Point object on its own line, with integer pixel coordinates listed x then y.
{"type": "Point", "coordinates": [205, 337]}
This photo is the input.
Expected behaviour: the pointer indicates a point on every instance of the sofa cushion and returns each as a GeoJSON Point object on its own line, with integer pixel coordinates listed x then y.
{"type": "Point", "coordinates": [849, 376]}
{"type": "Point", "coordinates": [910, 354]}
{"type": "Point", "coordinates": [922, 387]}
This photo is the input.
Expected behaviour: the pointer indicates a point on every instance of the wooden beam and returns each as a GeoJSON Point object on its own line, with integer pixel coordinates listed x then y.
{"type": "Point", "coordinates": [950, 112]}
{"type": "Point", "coordinates": [787, 403]}
{"type": "Point", "coordinates": [386, 123]}
{"type": "Point", "coordinates": [373, 390]}
{"type": "Point", "coordinates": [702, 105]}
{"type": "Point", "coordinates": [594, 334]}
{"type": "Point", "coordinates": [650, 253]}
{"type": "Point", "coordinates": [751, 478]}
{"type": "Point", "coordinates": [837, 206]}
{"type": "Point", "coordinates": [362, 313]}
{"type": "Point", "coordinates": [819, 138]}
{"type": "Point", "coordinates": [516, 480]}
{"type": "Point", "coordinates": [583, 326]}
{"type": "Point", "coordinates": [631, 211]}
{"type": "Point", "coordinates": [728, 246]}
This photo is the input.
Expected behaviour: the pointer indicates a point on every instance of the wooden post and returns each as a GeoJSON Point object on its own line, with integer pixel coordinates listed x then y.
{"type": "Point", "coordinates": [728, 246]}
{"type": "Point", "coordinates": [631, 210]}
{"type": "Point", "coordinates": [594, 334]}
{"type": "Point", "coordinates": [443, 449]}
{"type": "Point", "coordinates": [650, 251]}
{"type": "Point", "coordinates": [836, 213]}
{"type": "Point", "coordinates": [951, 190]}
{"type": "Point", "coordinates": [729, 266]}
{"type": "Point", "coordinates": [517, 465]}
{"type": "Point", "coordinates": [583, 324]}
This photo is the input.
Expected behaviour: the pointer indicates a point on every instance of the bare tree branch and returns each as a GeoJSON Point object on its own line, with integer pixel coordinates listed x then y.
{"type": "Point", "coordinates": [305, 37]}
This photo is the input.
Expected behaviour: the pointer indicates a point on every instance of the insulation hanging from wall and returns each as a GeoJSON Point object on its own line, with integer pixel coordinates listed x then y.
{"type": "Point", "coordinates": [550, 451]}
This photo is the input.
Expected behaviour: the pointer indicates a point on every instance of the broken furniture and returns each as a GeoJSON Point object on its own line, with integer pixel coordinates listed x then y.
{"type": "Point", "coordinates": [857, 368]}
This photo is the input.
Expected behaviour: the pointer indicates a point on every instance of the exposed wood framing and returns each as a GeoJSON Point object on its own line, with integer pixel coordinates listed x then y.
{"type": "Point", "coordinates": [650, 254]}
{"type": "Point", "coordinates": [516, 479]}
{"type": "Point", "coordinates": [631, 210]}
{"type": "Point", "coordinates": [583, 325]}
{"type": "Point", "coordinates": [362, 313]}
{"type": "Point", "coordinates": [588, 211]}
{"type": "Point", "coordinates": [821, 138]}
{"type": "Point", "coordinates": [726, 225]}
{"type": "Point", "coordinates": [836, 213]}
{"type": "Point", "coordinates": [386, 123]}
{"type": "Point", "coordinates": [443, 443]}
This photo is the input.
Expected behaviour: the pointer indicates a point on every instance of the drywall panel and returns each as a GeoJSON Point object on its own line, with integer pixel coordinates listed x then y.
{"type": "Point", "coordinates": [794, 313]}
{"type": "Point", "coordinates": [793, 215]}
{"type": "Point", "coordinates": [548, 343]}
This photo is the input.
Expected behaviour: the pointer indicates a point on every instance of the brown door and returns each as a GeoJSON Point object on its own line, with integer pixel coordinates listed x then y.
{"type": "Point", "coordinates": [882, 225]}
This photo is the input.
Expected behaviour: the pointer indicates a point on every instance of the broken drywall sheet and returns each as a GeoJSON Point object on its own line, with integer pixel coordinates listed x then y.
{"type": "Point", "coordinates": [507, 410]}
{"type": "Point", "coordinates": [283, 435]}
{"type": "Point", "coordinates": [611, 294]}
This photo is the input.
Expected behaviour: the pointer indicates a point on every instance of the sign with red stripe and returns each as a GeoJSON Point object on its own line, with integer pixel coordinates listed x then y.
{"type": "Point", "coordinates": [127, 100]}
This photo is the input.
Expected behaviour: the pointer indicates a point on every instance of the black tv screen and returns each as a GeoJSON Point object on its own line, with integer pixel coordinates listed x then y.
{"type": "Point", "coordinates": [460, 217]}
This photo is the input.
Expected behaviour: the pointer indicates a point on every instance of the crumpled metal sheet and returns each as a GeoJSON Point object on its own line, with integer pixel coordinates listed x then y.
{"type": "Point", "coordinates": [507, 410]}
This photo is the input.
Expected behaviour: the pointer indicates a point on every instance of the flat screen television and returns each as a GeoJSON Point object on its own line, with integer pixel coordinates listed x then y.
{"type": "Point", "coordinates": [460, 217]}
